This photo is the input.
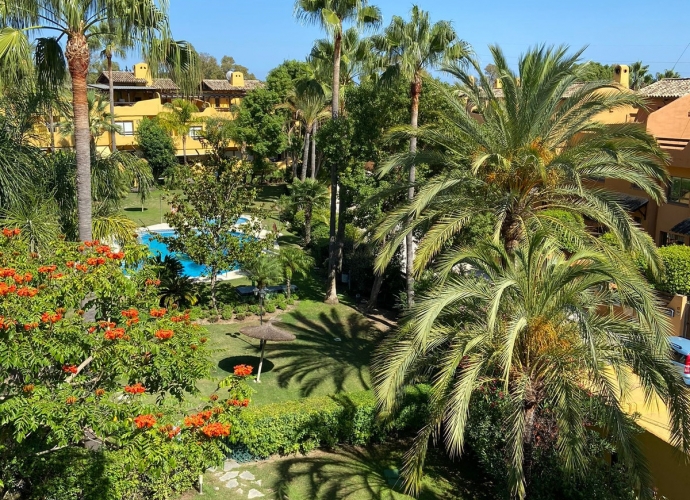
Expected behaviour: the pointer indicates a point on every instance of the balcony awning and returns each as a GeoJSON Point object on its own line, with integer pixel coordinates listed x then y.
{"type": "Point", "coordinates": [682, 227]}
{"type": "Point", "coordinates": [631, 203]}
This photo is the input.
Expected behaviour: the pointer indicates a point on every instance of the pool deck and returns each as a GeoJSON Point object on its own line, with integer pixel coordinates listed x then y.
{"type": "Point", "coordinates": [231, 275]}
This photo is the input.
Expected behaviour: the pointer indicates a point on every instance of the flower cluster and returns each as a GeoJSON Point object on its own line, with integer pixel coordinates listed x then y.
{"type": "Point", "coordinates": [198, 419]}
{"type": "Point", "coordinates": [47, 269]}
{"type": "Point", "coordinates": [6, 323]}
{"type": "Point", "coordinates": [19, 278]}
{"type": "Point", "coordinates": [27, 291]}
{"type": "Point", "coordinates": [107, 324]}
{"type": "Point", "coordinates": [216, 429]}
{"type": "Point", "coordinates": [144, 421]}
{"type": "Point", "coordinates": [71, 400]}
{"type": "Point", "coordinates": [95, 261]}
{"type": "Point", "coordinates": [170, 430]}
{"type": "Point", "coordinates": [130, 313]}
{"type": "Point", "coordinates": [7, 272]}
{"type": "Point", "coordinates": [28, 388]}
{"type": "Point", "coordinates": [243, 370]}
{"type": "Point", "coordinates": [135, 389]}
{"type": "Point", "coordinates": [180, 318]}
{"type": "Point", "coordinates": [115, 334]}
{"type": "Point", "coordinates": [6, 289]}
{"type": "Point", "coordinates": [150, 282]}
{"type": "Point", "coordinates": [30, 326]}
{"type": "Point", "coordinates": [9, 233]}
{"type": "Point", "coordinates": [100, 392]}
{"type": "Point", "coordinates": [82, 267]}
{"type": "Point", "coordinates": [70, 369]}
{"type": "Point", "coordinates": [164, 334]}
{"type": "Point", "coordinates": [237, 402]}
{"type": "Point", "coordinates": [158, 313]}
{"type": "Point", "coordinates": [47, 317]}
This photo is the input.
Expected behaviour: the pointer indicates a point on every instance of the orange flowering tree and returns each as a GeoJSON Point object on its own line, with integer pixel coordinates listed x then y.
{"type": "Point", "coordinates": [116, 380]}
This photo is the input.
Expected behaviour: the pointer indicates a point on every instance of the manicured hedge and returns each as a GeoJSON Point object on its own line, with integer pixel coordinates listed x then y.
{"type": "Point", "coordinates": [676, 274]}
{"type": "Point", "coordinates": [305, 424]}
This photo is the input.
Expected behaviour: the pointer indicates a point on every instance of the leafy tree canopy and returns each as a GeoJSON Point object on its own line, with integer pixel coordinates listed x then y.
{"type": "Point", "coordinates": [210, 69]}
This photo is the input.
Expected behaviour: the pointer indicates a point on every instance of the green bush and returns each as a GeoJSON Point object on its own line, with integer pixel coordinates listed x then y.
{"type": "Point", "coordinates": [226, 312]}
{"type": "Point", "coordinates": [270, 308]}
{"type": "Point", "coordinates": [290, 301]}
{"type": "Point", "coordinates": [156, 146]}
{"type": "Point", "coordinates": [304, 424]}
{"type": "Point", "coordinates": [281, 303]}
{"type": "Point", "coordinates": [240, 309]}
{"type": "Point", "coordinates": [254, 309]}
{"type": "Point", "coordinates": [239, 317]}
{"type": "Point", "coordinates": [195, 313]}
{"type": "Point", "coordinates": [675, 277]}
{"type": "Point", "coordinates": [294, 297]}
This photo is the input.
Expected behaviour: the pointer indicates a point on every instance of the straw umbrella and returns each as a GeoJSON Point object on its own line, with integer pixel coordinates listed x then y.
{"type": "Point", "coordinates": [264, 333]}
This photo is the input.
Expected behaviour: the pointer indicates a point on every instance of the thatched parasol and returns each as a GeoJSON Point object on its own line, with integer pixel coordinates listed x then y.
{"type": "Point", "coordinates": [264, 333]}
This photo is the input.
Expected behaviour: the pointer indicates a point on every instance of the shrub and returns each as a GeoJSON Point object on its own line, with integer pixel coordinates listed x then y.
{"type": "Point", "coordinates": [156, 146]}
{"type": "Point", "coordinates": [241, 309]}
{"type": "Point", "coordinates": [195, 313]}
{"type": "Point", "coordinates": [304, 424]}
{"type": "Point", "coordinates": [294, 297]}
{"type": "Point", "coordinates": [281, 303]}
{"type": "Point", "coordinates": [675, 277]}
{"type": "Point", "coordinates": [270, 308]}
{"type": "Point", "coordinates": [289, 301]}
{"type": "Point", "coordinates": [254, 309]}
{"type": "Point", "coordinates": [240, 317]}
{"type": "Point", "coordinates": [226, 312]}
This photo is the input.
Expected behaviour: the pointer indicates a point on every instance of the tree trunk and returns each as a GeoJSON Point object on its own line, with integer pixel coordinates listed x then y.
{"type": "Point", "coordinates": [111, 96]}
{"type": "Point", "coordinates": [77, 55]}
{"type": "Point", "coordinates": [511, 233]}
{"type": "Point", "coordinates": [307, 225]}
{"type": "Point", "coordinates": [314, 129]}
{"type": "Point", "coordinates": [184, 148]}
{"type": "Point", "coordinates": [287, 281]}
{"type": "Point", "coordinates": [342, 208]}
{"type": "Point", "coordinates": [214, 279]}
{"type": "Point", "coordinates": [374, 296]}
{"type": "Point", "coordinates": [51, 124]}
{"type": "Point", "coordinates": [305, 160]}
{"type": "Point", "coordinates": [293, 163]}
{"type": "Point", "coordinates": [331, 285]}
{"type": "Point", "coordinates": [415, 91]}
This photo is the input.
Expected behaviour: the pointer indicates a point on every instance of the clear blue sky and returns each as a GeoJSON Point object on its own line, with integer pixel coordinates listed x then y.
{"type": "Point", "coordinates": [260, 34]}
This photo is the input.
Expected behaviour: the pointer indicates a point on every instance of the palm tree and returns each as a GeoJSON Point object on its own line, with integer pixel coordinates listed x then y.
{"type": "Point", "coordinates": [36, 216]}
{"type": "Point", "coordinates": [409, 50]}
{"type": "Point", "coordinates": [111, 42]}
{"type": "Point", "coordinates": [640, 76]}
{"type": "Point", "coordinates": [308, 195]}
{"type": "Point", "coordinates": [537, 148]}
{"type": "Point", "coordinates": [179, 120]}
{"type": "Point", "coordinates": [331, 15]}
{"type": "Point", "coordinates": [541, 325]}
{"type": "Point", "coordinates": [668, 73]}
{"type": "Point", "coordinates": [146, 22]}
{"type": "Point", "coordinates": [309, 108]}
{"type": "Point", "coordinates": [100, 120]}
{"type": "Point", "coordinates": [294, 261]}
{"type": "Point", "coordinates": [265, 270]}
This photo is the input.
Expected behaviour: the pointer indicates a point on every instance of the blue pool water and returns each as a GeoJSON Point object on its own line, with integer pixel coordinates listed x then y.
{"type": "Point", "coordinates": [189, 268]}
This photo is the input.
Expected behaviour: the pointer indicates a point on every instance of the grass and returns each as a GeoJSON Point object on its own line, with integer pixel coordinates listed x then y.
{"type": "Point", "coordinates": [345, 473]}
{"type": "Point", "coordinates": [331, 354]}
{"type": "Point", "coordinates": [152, 210]}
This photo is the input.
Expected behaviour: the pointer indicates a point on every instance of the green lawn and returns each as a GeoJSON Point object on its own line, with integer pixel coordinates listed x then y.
{"type": "Point", "coordinates": [345, 473]}
{"type": "Point", "coordinates": [331, 353]}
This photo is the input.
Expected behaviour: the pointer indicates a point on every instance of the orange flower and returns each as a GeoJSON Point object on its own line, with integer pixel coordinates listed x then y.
{"type": "Point", "coordinates": [144, 421]}
{"type": "Point", "coordinates": [57, 276]}
{"type": "Point", "coordinates": [158, 313]}
{"type": "Point", "coordinates": [71, 400]}
{"type": "Point", "coordinates": [214, 397]}
{"type": "Point", "coordinates": [30, 326]}
{"type": "Point", "coordinates": [132, 321]}
{"type": "Point", "coordinates": [11, 232]}
{"type": "Point", "coordinates": [216, 429]}
{"type": "Point", "coordinates": [46, 317]}
{"type": "Point", "coordinates": [100, 392]}
{"type": "Point", "coordinates": [81, 248]}
{"type": "Point", "coordinates": [6, 323]}
{"type": "Point", "coordinates": [27, 291]}
{"type": "Point", "coordinates": [203, 340]}
{"type": "Point", "coordinates": [7, 272]}
{"type": "Point", "coordinates": [198, 419]}
{"type": "Point", "coordinates": [82, 267]}
{"type": "Point", "coordinates": [103, 249]}
{"type": "Point", "coordinates": [106, 324]}
{"type": "Point", "coordinates": [92, 329]}
{"type": "Point", "coordinates": [70, 369]}
{"type": "Point", "coordinates": [116, 255]}
{"type": "Point", "coordinates": [164, 334]}
{"type": "Point", "coordinates": [69, 263]}
{"type": "Point", "coordinates": [152, 282]}
{"type": "Point", "coordinates": [193, 347]}
{"type": "Point", "coordinates": [47, 269]}
{"type": "Point", "coordinates": [130, 313]}
{"type": "Point", "coordinates": [114, 334]}
{"type": "Point", "coordinates": [135, 389]}
{"type": "Point", "coordinates": [243, 370]}
{"type": "Point", "coordinates": [28, 388]}
{"type": "Point", "coordinates": [5, 289]}
{"type": "Point", "coordinates": [180, 318]}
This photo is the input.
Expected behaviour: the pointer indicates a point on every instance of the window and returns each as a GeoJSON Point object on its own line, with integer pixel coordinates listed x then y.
{"type": "Point", "coordinates": [217, 102]}
{"type": "Point", "coordinates": [126, 128]}
{"type": "Point", "coordinates": [195, 132]}
{"type": "Point", "coordinates": [667, 239]}
{"type": "Point", "coordinates": [679, 190]}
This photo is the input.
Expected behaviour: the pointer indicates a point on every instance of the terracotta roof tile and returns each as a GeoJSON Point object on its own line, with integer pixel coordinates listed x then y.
{"type": "Point", "coordinates": [164, 84]}
{"type": "Point", "coordinates": [121, 77]}
{"type": "Point", "coordinates": [225, 85]}
{"type": "Point", "coordinates": [668, 87]}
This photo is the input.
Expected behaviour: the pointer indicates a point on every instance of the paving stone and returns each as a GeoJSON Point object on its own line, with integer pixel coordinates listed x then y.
{"type": "Point", "coordinates": [239, 491]}
{"type": "Point", "coordinates": [229, 475]}
{"type": "Point", "coordinates": [211, 469]}
{"type": "Point", "coordinates": [258, 483]}
{"type": "Point", "coordinates": [230, 464]}
{"type": "Point", "coordinates": [232, 484]}
{"type": "Point", "coordinates": [254, 494]}
{"type": "Point", "coordinates": [247, 476]}
{"type": "Point", "coordinates": [216, 488]}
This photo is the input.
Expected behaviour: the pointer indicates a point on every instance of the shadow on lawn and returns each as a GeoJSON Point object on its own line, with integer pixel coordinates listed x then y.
{"type": "Point", "coordinates": [318, 358]}
{"type": "Point", "coordinates": [359, 473]}
{"type": "Point", "coordinates": [229, 364]}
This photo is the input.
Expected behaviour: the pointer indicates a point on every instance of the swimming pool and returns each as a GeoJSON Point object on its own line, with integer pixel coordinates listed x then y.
{"type": "Point", "coordinates": [189, 267]}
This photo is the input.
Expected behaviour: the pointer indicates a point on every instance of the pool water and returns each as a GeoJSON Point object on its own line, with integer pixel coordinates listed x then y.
{"type": "Point", "coordinates": [189, 267]}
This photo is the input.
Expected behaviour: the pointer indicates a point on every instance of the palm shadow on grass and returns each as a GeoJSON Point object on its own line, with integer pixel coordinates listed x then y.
{"type": "Point", "coordinates": [357, 473]}
{"type": "Point", "coordinates": [318, 358]}
{"type": "Point", "coordinates": [228, 364]}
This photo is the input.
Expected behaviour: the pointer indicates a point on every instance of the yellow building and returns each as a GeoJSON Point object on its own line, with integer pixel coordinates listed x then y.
{"type": "Point", "coordinates": [137, 96]}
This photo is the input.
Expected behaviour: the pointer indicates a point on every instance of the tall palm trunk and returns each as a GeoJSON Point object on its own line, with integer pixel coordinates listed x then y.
{"type": "Point", "coordinates": [51, 124]}
{"type": "Point", "coordinates": [511, 233]}
{"type": "Point", "coordinates": [342, 208]}
{"type": "Point", "coordinates": [331, 286]}
{"type": "Point", "coordinates": [415, 91]}
{"type": "Point", "coordinates": [77, 54]}
{"type": "Point", "coordinates": [184, 148]}
{"type": "Point", "coordinates": [314, 129]}
{"type": "Point", "coordinates": [307, 224]}
{"type": "Point", "coordinates": [111, 96]}
{"type": "Point", "coordinates": [305, 159]}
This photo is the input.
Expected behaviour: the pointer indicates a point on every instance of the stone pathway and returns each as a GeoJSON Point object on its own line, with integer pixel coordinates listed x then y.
{"type": "Point", "coordinates": [238, 481]}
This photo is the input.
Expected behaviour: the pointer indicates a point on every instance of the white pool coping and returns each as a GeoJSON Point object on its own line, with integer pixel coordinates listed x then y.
{"type": "Point", "coordinates": [230, 275]}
